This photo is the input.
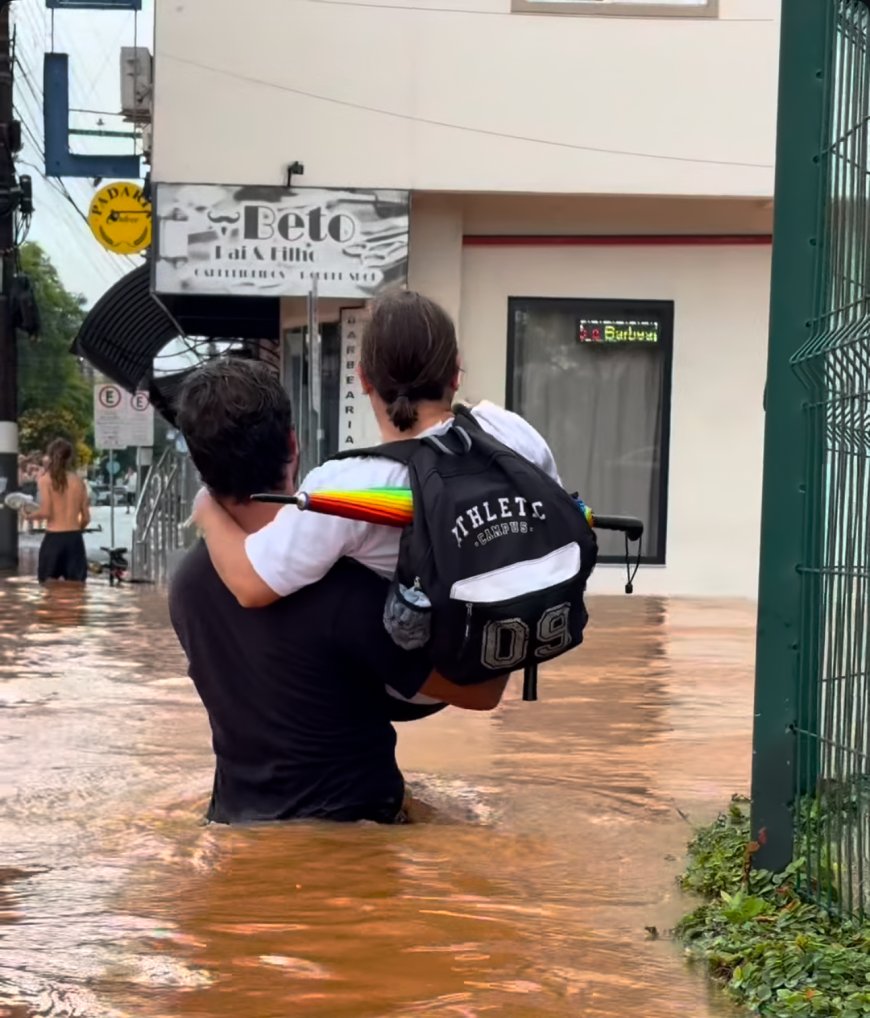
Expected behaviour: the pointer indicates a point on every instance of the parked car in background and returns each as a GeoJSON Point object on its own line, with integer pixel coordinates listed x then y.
{"type": "Point", "coordinates": [101, 494]}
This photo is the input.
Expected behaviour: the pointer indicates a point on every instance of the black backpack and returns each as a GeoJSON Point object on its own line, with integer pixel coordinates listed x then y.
{"type": "Point", "coordinates": [498, 553]}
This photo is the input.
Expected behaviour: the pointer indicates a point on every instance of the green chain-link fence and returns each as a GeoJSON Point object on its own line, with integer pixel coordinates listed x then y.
{"type": "Point", "coordinates": [811, 774]}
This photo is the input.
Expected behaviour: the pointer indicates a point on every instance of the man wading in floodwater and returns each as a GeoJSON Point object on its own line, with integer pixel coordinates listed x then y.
{"type": "Point", "coordinates": [294, 692]}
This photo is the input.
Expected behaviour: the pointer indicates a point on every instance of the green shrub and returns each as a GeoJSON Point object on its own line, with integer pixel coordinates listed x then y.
{"type": "Point", "coordinates": [773, 951]}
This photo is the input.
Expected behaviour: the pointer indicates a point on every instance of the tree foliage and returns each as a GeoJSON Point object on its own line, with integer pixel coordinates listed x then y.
{"type": "Point", "coordinates": [54, 397]}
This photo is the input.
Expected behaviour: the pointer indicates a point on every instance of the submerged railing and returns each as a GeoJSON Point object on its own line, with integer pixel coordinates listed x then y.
{"type": "Point", "coordinates": [162, 510]}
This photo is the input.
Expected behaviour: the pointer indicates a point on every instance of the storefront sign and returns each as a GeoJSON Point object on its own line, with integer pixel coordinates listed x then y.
{"type": "Point", "coordinates": [357, 426]}
{"type": "Point", "coordinates": [595, 331]}
{"type": "Point", "coordinates": [250, 241]}
{"type": "Point", "coordinates": [120, 218]}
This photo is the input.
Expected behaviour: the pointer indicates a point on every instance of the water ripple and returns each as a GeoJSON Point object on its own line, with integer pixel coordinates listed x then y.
{"type": "Point", "coordinates": [553, 836]}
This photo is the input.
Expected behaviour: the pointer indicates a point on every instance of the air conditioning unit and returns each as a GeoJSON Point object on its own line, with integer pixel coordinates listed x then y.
{"type": "Point", "coordinates": [137, 83]}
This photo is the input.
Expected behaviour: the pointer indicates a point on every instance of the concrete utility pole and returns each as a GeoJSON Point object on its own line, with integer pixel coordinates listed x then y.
{"type": "Point", "coordinates": [8, 340]}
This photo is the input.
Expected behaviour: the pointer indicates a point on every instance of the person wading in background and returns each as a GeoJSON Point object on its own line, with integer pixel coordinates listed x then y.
{"type": "Point", "coordinates": [64, 505]}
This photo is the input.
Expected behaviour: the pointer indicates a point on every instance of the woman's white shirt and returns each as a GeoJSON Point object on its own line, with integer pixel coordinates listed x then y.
{"type": "Point", "coordinates": [299, 548]}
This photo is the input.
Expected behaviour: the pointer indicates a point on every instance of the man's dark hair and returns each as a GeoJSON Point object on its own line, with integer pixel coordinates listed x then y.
{"type": "Point", "coordinates": [236, 419]}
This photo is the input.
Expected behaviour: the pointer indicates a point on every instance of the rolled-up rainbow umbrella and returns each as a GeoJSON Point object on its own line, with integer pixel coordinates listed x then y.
{"type": "Point", "coordinates": [390, 507]}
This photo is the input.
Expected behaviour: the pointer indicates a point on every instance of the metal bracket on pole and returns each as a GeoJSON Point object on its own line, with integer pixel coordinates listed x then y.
{"type": "Point", "coordinates": [59, 161]}
{"type": "Point", "coordinates": [94, 5]}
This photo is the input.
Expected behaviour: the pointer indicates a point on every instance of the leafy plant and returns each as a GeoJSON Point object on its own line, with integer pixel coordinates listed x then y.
{"type": "Point", "coordinates": [39, 427]}
{"type": "Point", "coordinates": [774, 951]}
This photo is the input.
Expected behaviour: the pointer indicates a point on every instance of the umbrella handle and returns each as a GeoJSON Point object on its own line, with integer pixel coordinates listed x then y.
{"type": "Point", "coordinates": [628, 525]}
{"type": "Point", "coordinates": [267, 496]}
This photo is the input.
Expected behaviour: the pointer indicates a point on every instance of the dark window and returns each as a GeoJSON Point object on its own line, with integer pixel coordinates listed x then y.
{"type": "Point", "coordinates": [594, 377]}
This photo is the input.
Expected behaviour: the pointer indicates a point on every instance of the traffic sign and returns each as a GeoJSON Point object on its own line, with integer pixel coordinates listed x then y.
{"type": "Point", "coordinates": [122, 419]}
{"type": "Point", "coordinates": [140, 419]}
{"type": "Point", "coordinates": [109, 396]}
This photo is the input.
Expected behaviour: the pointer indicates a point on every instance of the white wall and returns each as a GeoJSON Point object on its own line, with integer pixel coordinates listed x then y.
{"type": "Point", "coordinates": [465, 96]}
{"type": "Point", "coordinates": [720, 349]}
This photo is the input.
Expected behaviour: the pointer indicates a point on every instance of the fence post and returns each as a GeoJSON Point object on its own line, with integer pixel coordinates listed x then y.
{"type": "Point", "coordinates": [804, 73]}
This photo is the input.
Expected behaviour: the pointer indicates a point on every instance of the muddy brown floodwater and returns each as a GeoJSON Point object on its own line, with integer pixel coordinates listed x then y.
{"type": "Point", "coordinates": [560, 829]}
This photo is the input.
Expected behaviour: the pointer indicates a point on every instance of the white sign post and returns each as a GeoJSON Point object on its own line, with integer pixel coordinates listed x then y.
{"type": "Point", "coordinates": [121, 419]}
{"type": "Point", "coordinates": [108, 417]}
{"type": "Point", "coordinates": [140, 420]}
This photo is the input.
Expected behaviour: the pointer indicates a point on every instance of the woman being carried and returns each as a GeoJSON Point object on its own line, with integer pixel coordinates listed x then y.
{"type": "Point", "coordinates": [409, 368]}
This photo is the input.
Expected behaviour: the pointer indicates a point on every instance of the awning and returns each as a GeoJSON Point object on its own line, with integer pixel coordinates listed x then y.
{"type": "Point", "coordinates": [127, 327]}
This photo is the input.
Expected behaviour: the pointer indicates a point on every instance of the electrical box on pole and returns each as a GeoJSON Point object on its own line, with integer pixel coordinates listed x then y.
{"type": "Point", "coordinates": [136, 83]}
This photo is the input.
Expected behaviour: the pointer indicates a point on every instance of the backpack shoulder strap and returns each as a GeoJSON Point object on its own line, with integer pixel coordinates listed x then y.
{"type": "Point", "coordinates": [462, 412]}
{"type": "Point", "coordinates": [400, 452]}
{"type": "Point", "coordinates": [403, 450]}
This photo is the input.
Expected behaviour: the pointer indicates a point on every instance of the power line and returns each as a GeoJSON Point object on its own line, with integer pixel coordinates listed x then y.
{"type": "Point", "coordinates": [60, 188]}
{"type": "Point", "coordinates": [466, 128]}
{"type": "Point", "coordinates": [515, 14]}
{"type": "Point", "coordinates": [56, 183]}
{"type": "Point", "coordinates": [69, 213]}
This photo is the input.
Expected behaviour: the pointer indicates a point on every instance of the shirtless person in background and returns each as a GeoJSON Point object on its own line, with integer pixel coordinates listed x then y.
{"type": "Point", "coordinates": [63, 504]}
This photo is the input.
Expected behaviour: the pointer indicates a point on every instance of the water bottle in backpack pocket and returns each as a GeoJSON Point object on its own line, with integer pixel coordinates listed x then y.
{"type": "Point", "coordinates": [408, 616]}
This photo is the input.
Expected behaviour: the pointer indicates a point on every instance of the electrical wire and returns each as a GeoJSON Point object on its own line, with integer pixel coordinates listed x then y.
{"type": "Point", "coordinates": [55, 183]}
{"type": "Point", "coordinates": [419, 8]}
{"type": "Point", "coordinates": [30, 105]}
{"type": "Point", "coordinates": [60, 188]}
{"type": "Point", "coordinates": [465, 128]}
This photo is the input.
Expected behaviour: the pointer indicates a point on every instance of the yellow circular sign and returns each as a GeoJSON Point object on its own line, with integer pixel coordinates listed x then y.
{"type": "Point", "coordinates": [120, 218]}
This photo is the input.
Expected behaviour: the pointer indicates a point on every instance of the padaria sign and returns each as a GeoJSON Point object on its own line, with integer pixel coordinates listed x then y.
{"type": "Point", "coordinates": [266, 241]}
{"type": "Point", "coordinates": [120, 218]}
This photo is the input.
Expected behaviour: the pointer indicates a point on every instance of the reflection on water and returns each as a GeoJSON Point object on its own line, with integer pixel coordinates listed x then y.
{"type": "Point", "coordinates": [559, 830]}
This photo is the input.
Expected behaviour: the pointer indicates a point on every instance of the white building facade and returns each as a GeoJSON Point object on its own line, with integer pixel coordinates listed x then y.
{"type": "Point", "coordinates": [589, 186]}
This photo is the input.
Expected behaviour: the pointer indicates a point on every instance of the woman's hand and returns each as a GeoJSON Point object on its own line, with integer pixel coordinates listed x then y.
{"type": "Point", "coordinates": [203, 504]}
{"type": "Point", "coordinates": [225, 541]}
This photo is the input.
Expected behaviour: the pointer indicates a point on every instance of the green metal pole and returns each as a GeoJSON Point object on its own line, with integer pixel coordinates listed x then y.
{"type": "Point", "coordinates": [806, 65]}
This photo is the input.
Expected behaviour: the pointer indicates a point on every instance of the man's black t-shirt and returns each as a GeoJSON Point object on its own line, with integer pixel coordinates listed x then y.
{"type": "Point", "coordinates": [295, 694]}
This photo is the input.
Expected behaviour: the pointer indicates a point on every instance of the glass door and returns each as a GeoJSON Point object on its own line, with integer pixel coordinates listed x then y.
{"type": "Point", "coordinates": [315, 406]}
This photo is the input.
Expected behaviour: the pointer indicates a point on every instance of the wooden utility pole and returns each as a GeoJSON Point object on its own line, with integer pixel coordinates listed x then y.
{"type": "Point", "coordinates": [8, 340]}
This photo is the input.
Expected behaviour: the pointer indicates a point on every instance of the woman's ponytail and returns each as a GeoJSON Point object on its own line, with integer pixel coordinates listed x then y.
{"type": "Point", "coordinates": [402, 412]}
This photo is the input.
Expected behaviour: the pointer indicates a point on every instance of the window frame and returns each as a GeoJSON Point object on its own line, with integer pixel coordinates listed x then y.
{"type": "Point", "coordinates": [663, 311]}
{"type": "Point", "coordinates": [575, 8]}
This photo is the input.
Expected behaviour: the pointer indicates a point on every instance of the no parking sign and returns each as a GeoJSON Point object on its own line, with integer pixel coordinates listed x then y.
{"type": "Point", "coordinates": [122, 419]}
{"type": "Point", "coordinates": [141, 419]}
